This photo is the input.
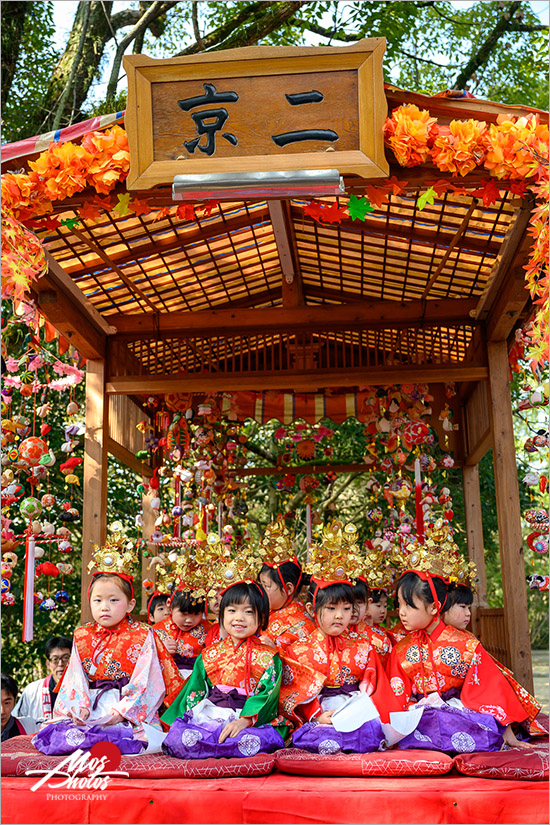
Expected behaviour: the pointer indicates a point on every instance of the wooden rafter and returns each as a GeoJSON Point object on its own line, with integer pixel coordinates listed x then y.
{"type": "Point", "coordinates": [297, 380]}
{"type": "Point", "coordinates": [359, 315]}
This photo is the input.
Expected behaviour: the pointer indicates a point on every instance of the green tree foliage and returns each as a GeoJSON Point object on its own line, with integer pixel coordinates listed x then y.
{"type": "Point", "coordinates": [495, 49]}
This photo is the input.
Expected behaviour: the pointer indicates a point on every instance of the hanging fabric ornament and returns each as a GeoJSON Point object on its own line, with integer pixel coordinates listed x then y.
{"type": "Point", "coordinates": [61, 597]}
{"type": "Point", "coordinates": [30, 507]}
{"type": "Point", "coordinates": [537, 543]}
{"type": "Point", "coordinates": [31, 451]}
{"type": "Point", "coordinates": [48, 605]}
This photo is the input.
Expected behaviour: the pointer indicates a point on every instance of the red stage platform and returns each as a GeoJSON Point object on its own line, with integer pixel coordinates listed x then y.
{"type": "Point", "coordinates": [280, 798]}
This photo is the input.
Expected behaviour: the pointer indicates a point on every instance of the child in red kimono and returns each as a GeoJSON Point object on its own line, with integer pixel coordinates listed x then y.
{"type": "Point", "coordinates": [229, 706]}
{"type": "Point", "coordinates": [183, 632]}
{"type": "Point", "coordinates": [118, 675]}
{"type": "Point", "coordinates": [157, 607]}
{"type": "Point", "coordinates": [361, 626]}
{"type": "Point", "coordinates": [443, 675]}
{"type": "Point", "coordinates": [458, 614]}
{"type": "Point", "coordinates": [326, 670]}
{"type": "Point", "coordinates": [282, 578]}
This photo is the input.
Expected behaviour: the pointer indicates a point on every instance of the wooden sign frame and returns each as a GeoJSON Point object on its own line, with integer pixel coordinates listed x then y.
{"type": "Point", "coordinates": [364, 58]}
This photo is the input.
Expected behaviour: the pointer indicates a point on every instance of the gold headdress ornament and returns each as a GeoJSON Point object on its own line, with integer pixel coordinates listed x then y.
{"type": "Point", "coordinates": [190, 574]}
{"type": "Point", "coordinates": [440, 556]}
{"type": "Point", "coordinates": [223, 569]}
{"type": "Point", "coordinates": [277, 546]}
{"type": "Point", "coordinates": [118, 555]}
{"type": "Point", "coordinates": [379, 571]}
{"type": "Point", "coordinates": [337, 557]}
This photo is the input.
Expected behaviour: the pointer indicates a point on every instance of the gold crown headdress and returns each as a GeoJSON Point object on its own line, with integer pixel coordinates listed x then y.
{"type": "Point", "coordinates": [379, 573]}
{"type": "Point", "coordinates": [189, 574]}
{"type": "Point", "coordinates": [439, 555]}
{"type": "Point", "coordinates": [224, 569]}
{"type": "Point", "coordinates": [277, 546]}
{"type": "Point", "coordinates": [117, 556]}
{"type": "Point", "coordinates": [337, 557]}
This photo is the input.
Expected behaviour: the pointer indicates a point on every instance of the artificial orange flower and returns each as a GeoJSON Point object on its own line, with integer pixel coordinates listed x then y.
{"type": "Point", "coordinates": [513, 146]}
{"type": "Point", "coordinates": [410, 133]}
{"type": "Point", "coordinates": [459, 147]}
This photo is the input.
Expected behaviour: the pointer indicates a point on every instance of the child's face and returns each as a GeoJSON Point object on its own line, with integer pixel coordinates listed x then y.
{"type": "Point", "coordinates": [160, 612]}
{"type": "Point", "coordinates": [109, 603]}
{"type": "Point", "coordinates": [458, 616]}
{"type": "Point", "coordinates": [377, 611]}
{"type": "Point", "coordinates": [214, 602]}
{"type": "Point", "coordinates": [185, 621]}
{"type": "Point", "coordinates": [359, 611]}
{"type": "Point", "coordinates": [418, 617]}
{"type": "Point", "coordinates": [334, 618]}
{"type": "Point", "coordinates": [240, 621]}
{"type": "Point", "coordinates": [276, 595]}
{"type": "Point", "coordinates": [8, 703]}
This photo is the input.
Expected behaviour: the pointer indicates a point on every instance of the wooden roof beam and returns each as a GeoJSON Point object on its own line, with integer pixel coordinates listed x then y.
{"type": "Point", "coordinates": [228, 322]}
{"type": "Point", "coordinates": [283, 230]}
{"type": "Point", "coordinates": [295, 380]}
{"type": "Point", "coordinates": [492, 306]}
{"type": "Point", "coordinates": [69, 311]}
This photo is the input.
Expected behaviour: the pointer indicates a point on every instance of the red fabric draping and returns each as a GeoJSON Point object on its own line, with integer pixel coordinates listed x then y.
{"type": "Point", "coordinates": [286, 799]}
{"type": "Point", "coordinates": [283, 406]}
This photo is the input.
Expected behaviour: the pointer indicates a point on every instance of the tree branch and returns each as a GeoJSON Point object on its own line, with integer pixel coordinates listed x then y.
{"type": "Point", "coordinates": [153, 12]}
{"type": "Point", "coordinates": [485, 50]}
{"type": "Point", "coordinates": [229, 36]}
{"type": "Point", "coordinates": [72, 73]}
{"type": "Point", "coordinates": [219, 34]}
{"type": "Point", "coordinates": [196, 30]}
{"type": "Point", "coordinates": [254, 448]}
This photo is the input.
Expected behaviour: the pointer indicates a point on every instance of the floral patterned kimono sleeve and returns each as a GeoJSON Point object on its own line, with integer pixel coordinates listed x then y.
{"type": "Point", "coordinates": [173, 682]}
{"type": "Point", "coordinates": [400, 684]}
{"type": "Point", "coordinates": [486, 690]}
{"type": "Point", "coordinates": [262, 706]}
{"type": "Point", "coordinates": [143, 694]}
{"type": "Point", "coordinates": [74, 693]}
{"type": "Point", "coordinates": [195, 690]}
{"type": "Point", "coordinates": [377, 685]}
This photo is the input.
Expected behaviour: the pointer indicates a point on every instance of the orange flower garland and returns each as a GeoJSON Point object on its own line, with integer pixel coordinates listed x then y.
{"type": "Point", "coordinates": [101, 161]}
{"type": "Point", "coordinates": [459, 147]}
{"type": "Point", "coordinates": [410, 133]}
{"type": "Point", "coordinates": [511, 144]}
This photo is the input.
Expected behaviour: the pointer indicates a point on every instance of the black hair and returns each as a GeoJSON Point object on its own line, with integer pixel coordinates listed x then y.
{"type": "Point", "coordinates": [125, 586]}
{"type": "Point", "coordinates": [156, 601]}
{"type": "Point", "coordinates": [458, 594]}
{"type": "Point", "coordinates": [376, 595]}
{"type": "Point", "coordinates": [290, 573]}
{"type": "Point", "coordinates": [9, 684]}
{"type": "Point", "coordinates": [360, 591]}
{"type": "Point", "coordinates": [184, 601]}
{"type": "Point", "coordinates": [332, 594]}
{"type": "Point", "coordinates": [242, 592]}
{"type": "Point", "coordinates": [410, 585]}
{"type": "Point", "coordinates": [59, 642]}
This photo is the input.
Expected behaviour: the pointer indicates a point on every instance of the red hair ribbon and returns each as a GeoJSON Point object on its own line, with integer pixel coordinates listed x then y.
{"type": "Point", "coordinates": [126, 576]}
{"type": "Point", "coordinates": [278, 566]}
{"type": "Point", "coordinates": [321, 584]}
{"type": "Point", "coordinates": [428, 577]}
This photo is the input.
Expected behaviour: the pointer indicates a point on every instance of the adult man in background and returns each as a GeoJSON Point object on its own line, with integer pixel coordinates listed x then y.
{"type": "Point", "coordinates": [38, 699]}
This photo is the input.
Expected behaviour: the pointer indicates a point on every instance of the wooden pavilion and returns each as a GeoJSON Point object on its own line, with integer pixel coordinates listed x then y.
{"type": "Point", "coordinates": [258, 295]}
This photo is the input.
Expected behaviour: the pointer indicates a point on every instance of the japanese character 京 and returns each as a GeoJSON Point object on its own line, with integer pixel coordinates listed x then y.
{"type": "Point", "coordinates": [299, 99]}
{"type": "Point", "coordinates": [217, 118]}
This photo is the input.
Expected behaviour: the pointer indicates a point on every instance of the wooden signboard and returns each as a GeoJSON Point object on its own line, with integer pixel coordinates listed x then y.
{"type": "Point", "coordinates": [257, 109]}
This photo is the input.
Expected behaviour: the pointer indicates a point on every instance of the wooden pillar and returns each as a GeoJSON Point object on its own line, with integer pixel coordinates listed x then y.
{"type": "Point", "coordinates": [147, 529]}
{"type": "Point", "coordinates": [474, 535]}
{"type": "Point", "coordinates": [509, 515]}
{"type": "Point", "coordinates": [94, 511]}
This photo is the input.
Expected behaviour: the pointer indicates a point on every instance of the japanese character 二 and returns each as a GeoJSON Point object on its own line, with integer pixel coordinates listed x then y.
{"type": "Point", "coordinates": [300, 99]}
{"type": "Point", "coordinates": [202, 118]}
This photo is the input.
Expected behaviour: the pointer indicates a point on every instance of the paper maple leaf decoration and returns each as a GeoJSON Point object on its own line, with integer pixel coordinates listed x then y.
{"type": "Point", "coordinates": [427, 197]}
{"type": "Point", "coordinates": [358, 208]}
{"type": "Point", "coordinates": [123, 206]}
